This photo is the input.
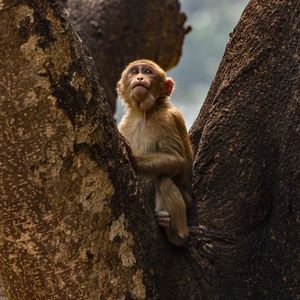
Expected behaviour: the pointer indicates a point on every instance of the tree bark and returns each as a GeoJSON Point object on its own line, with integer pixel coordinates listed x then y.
{"type": "Point", "coordinates": [118, 32]}
{"type": "Point", "coordinates": [74, 224]}
{"type": "Point", "coordinates": [246, 173]}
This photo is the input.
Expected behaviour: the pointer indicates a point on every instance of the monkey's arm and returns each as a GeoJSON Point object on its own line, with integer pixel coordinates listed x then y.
{"type": "Point", "coordinates": [159, 164]}
{"type": "Point", "coordinates": [171, 158]}
{"type": "Point", "coordinates": [156, 163]}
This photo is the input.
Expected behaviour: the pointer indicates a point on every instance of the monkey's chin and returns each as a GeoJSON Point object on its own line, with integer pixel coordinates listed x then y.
{"type": "Point", "coordinates": [139, 92]}
{"type": "Point", "coordinates": [147, 104]}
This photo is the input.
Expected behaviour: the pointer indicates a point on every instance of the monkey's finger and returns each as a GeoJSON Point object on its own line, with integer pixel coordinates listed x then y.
{"type": "Point", "coordinates": [164, 224]}
{"type": "Point", "coordinates": [163, 218]}
{"type": "Point", "coordinates": [162, 213]}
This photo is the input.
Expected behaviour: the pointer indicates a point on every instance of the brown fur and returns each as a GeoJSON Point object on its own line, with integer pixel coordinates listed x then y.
{"type": "Point", "coordinates": [161, 149]}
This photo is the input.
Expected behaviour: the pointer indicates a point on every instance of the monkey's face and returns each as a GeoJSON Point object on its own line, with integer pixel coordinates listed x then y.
{"type": "Point", "coordinates": [140, 80]}
{"type": "Point", "coordinates": [142, 84]}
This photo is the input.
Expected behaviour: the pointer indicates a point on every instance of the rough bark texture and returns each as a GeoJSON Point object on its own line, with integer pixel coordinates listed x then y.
{"type": "Point", "coordinates": [117, 32]}
{"type": "Point", "coordinates": [73, 223]}
{"type": "Point", "coordinates": [247, 146]}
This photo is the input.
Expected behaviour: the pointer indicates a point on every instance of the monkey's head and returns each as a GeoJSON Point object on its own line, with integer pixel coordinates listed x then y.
{"type": "Point", "coordinates": [143, 83]}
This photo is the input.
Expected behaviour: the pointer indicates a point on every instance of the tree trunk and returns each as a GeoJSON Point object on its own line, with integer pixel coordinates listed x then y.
{"type": "Point", "coordinates": [118, 32]}
{"type": "Point", "coordinates": [74, 224]}
{"type": "Point", "coordinates": [247, 148]}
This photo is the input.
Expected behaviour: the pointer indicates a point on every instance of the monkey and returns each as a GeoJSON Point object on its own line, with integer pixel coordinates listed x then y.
{"type": "Point", "coordinates": [160, 149]}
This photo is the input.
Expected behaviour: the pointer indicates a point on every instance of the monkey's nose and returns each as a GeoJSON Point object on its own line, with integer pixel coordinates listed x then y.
{"type": "Point", "coordinates": [140, 78]}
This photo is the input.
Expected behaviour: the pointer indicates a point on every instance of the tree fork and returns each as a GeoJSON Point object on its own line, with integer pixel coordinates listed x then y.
{"type": "Point", "coordinates": [74, 224]}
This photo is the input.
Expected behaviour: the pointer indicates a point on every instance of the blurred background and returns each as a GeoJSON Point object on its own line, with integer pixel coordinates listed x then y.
{"type": "Point", "coordinates": [212, 21]}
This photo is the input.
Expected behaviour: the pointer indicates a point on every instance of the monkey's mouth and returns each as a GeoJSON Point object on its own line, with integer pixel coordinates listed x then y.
{"type": "Point", "coordinates": [139, 84]}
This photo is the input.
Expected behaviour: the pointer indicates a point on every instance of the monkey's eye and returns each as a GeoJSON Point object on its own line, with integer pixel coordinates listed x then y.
{"type": "Point", "coordinates": [134, 71]}
{"type": "Point", "coordinates": [148, 71]}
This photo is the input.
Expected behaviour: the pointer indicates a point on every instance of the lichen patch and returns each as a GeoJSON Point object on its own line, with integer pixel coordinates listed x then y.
{"type": "Point", "coordinates": [118, 229]}
{"type": "Point", "coordinates": [23, 12]}
{"type": "Point", "coordinates": [139, 290]}
{"type": "Point", "coordinates": [83, 134]}
{"type": "Point", "coordinates": [126, 254]}
{"type": "Point", "coordinates": [79, 83]}
{"type": "Point", "coordinates": [31, 51]}
{"type": "Point", "coordinates": [96, 189]}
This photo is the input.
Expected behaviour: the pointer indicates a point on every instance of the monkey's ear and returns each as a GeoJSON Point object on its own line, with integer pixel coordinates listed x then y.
{"type": "Point", "coordinates": [169, 84]}
{"type": "Point", "coordinates": [119, 88]}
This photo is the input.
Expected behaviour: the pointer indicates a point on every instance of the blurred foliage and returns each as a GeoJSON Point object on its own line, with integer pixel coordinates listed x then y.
{"type": "Point", "coordinates": [212, 21]}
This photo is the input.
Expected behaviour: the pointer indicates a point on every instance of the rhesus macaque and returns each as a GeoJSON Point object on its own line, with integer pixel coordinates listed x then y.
{"type": "Point", "coordinates": [161, 151]}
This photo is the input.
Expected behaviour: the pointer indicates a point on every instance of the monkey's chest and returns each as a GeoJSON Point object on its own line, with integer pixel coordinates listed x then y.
{"type": "Point", "coordinates": [141, 138]}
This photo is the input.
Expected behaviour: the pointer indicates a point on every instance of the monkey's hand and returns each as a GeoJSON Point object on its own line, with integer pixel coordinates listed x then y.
{"type": "Point", "coordinates": [163, 218]}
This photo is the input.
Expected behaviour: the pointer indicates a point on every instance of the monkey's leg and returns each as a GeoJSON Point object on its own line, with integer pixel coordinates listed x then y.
{"type": "Point", "coordinates": [171, 211]}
